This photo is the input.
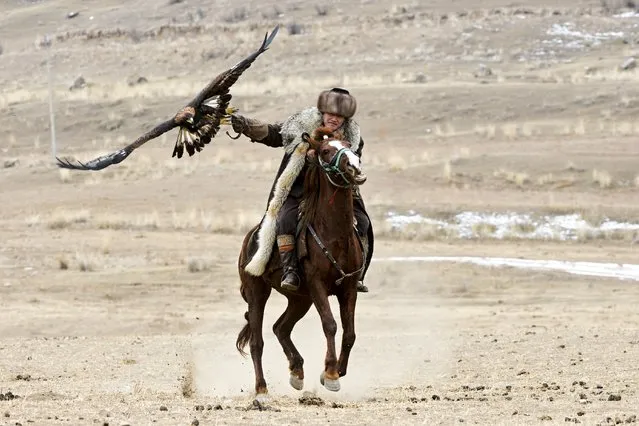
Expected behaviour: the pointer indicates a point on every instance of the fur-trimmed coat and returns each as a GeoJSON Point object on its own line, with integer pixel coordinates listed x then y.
{"type": "Point", "coordinates": [290, 177]}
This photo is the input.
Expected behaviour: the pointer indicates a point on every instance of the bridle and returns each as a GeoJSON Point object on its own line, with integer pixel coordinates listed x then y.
{"type": "Point", "coordinates": [332, 167]}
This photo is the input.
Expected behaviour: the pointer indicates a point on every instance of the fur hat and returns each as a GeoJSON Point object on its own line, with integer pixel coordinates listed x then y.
{"type": "Point", "coordinates": [337, 101]}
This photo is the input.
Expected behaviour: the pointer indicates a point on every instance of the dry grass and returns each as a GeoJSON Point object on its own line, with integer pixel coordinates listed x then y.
{"type": "Point", "coordinates": [147, 221]}
{"type": "Point", "coordinates": [448, 172]}
{"type": "Point", "coordinates": [63, 263]}
{"type": "Point", "coordinates": [530, 129]}
{"type": "Point", "coordinates": [488, 131]}
{"type": "Point", "coordinates": [396, 163]}
{"type": "Point", "coordinates": [162, 88]}
{"type": "Point", "coordinates": [226, 222]}
{"type": "Point", "coordinates": [66, 218]}
{"type": "Point", "coordinates": [546, 179]}
{"type": "Point", "coordinates": [602, 179]}
{"type": "Point", "coordinates": [65, 175]}
{"type": "Point", "coordinates": [637, 181]}
{"type": "Point", "coordinates": [523, 228]}
{"type": "Point", "coordinates": [200, 264]}
{"type": "Point", "coordinates": [89, 262]}
{"type": "Point", "coordinates": [484, 230]}
{"type": "Point", "coordinates": [619, 235]}
{"type": "Point", "coordinates": [518, 178]}
{"type": "Point", "coordinates": [412, 232]}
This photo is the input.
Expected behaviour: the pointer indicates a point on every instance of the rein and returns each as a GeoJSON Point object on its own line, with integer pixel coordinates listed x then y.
{"type": "Point", "coordinates": [331, 258]}
{"type": "Point", "coordinates": [333, 167]}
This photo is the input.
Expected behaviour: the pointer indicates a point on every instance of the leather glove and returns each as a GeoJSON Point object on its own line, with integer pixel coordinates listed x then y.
{"type": "Point", "coordinates": [239, 123]}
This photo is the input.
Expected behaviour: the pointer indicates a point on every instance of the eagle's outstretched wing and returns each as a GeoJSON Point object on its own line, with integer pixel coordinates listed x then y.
{"type": "Point", "coordinates": [198, 122]}
{"type": "Point", "coordinates": [119, 155]}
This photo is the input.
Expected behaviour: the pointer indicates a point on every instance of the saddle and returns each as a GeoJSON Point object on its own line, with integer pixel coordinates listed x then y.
{"type": "Point", "coordinates": [301, 246]}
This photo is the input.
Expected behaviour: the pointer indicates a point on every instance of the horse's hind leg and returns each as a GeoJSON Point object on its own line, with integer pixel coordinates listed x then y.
{"type": "Point", "coordinates": [257, 292]}
{"type": "Point", "coordinates": [296, 309]}
{"type": "Point", "coordinates": [347, 302]}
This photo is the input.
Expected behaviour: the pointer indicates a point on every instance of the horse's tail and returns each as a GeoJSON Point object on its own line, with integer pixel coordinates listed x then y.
{"type": "Point", "coordinates": [244, 337]}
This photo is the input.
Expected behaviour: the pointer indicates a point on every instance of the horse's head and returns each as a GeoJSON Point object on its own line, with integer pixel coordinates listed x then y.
{"type": "Point", "coordinates": [335, 157]}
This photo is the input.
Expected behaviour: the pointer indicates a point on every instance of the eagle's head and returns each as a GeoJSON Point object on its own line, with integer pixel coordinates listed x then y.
{"type": "Point", "coordinates": [185, 116]}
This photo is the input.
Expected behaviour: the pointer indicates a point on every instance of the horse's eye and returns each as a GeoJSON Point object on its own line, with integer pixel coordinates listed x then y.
{"type": "Point", "coordinates": [324, 151]}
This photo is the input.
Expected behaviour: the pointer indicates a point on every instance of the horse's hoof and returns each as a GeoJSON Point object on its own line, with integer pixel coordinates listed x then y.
{"type": "Point", "coordinates": [330, 384]}
{"type": "Point", "coordinates": [296, 382]}
{"type": "Point", "coordinates": [261, 399]}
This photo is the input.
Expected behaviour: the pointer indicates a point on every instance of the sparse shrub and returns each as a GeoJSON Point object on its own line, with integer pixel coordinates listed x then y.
{"type": "Point", "coordinates": [484, 229]}
{"type": "Point", "coordinates": [273, 13]}
{"type": "Point", "coordinates": [586, 234]}
{"type": "Point", "coordinates": [65, 175]}
{"type": "Point", "coordinates": [545, 179]}
{"type": "Point", "coordinates": [199, 265]}
{"type": "Point", "coordinates": [65, 219]}
{"type": "Point", "coordinates": [613, 6]}
{"type": "Point", "coordinates": [87, 262]}
{"type": "Point", "coordinates": [448, 172]}
{"type": "Point", "coordinates": [63, 263]}
{"type": "Point", "coordinates": [602, 178]}
{"type": "Point", "coordinates": [238, 14]}
{"type": "Point", "coordinates": [414, 232]}
{"type": "Point", "coordinates": [135, 36]}
{"type": "Point", "coordinates": [32, 220]}
{"type": "Point", "coordinates": [524, 228]}
{"type": "Point", "coordinates": [322, 10]}
{"type": "Point", "coordinates": [294, 29]}
{"type": "Point", "coordinates": [518, 179]}
{"type": "Point", "coordinates": [396, 163]}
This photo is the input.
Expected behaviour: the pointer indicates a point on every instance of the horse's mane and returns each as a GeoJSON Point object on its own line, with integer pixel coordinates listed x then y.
{"type": "Point", "coordinates": [310, 199]}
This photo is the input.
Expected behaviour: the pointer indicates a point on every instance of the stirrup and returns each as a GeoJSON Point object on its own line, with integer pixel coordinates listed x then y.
{"type": "Point", "coordinates": [288, 286]}
{"type": "Point", "coordinates": [361, 287]}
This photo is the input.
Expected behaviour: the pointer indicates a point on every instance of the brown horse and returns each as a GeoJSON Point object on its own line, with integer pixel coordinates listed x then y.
{"type": "Point", "coordinates": [331, 263]}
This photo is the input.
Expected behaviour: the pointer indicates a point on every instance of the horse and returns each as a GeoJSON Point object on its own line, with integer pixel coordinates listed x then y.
{"type": "Point", "coordinates": [331, 259]}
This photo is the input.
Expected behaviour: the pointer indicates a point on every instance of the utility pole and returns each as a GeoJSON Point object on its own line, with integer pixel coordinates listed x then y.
{"type": "Point", "coordinates": [47, 44]}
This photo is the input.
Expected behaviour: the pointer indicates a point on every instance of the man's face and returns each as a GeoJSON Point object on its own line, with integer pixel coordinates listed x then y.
{"type": "Point", "coordinates": [332, 121]}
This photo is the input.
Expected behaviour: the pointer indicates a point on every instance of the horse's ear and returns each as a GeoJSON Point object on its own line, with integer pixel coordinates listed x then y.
{"type": "Point", "coordinates": [312, 142]}
{"type": "Point", "coordinates": [322, 133]}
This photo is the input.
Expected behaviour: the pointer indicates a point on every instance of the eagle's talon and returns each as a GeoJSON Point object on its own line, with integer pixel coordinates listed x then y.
{"type": "Point", "coordinates": [233, 137]}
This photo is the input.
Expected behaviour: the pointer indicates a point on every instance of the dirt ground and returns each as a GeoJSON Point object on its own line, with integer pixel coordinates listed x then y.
{"type": "Point", "coordinates": [119, 299]}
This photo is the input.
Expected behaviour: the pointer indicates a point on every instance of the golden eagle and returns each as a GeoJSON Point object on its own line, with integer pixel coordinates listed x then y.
{"type": "Point", "coordinates": [199, 121]}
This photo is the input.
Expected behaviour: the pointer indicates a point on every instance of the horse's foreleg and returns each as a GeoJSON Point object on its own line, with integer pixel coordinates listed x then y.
{"type": "Point", "coordinates": [347, 302]}
{"type": "Point", "coordinates": [330, 376]}
{"type": "Point", "coordinates": [296, 309]}
{"type": "Point", "coordinates": [257, 302]}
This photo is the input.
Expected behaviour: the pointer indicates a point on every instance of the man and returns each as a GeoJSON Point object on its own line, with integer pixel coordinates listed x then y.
{"type": "Point", "coordinates": [335, 109]}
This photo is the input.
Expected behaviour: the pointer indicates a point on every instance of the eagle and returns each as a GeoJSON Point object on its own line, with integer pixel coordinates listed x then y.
{"type": "Point", "coordinates": [198, 122]}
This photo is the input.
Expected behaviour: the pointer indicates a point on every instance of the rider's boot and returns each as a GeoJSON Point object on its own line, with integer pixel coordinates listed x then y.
{"type": "Point", "coordinates": [288, 256]}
